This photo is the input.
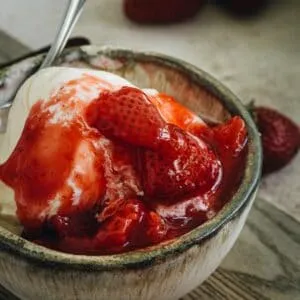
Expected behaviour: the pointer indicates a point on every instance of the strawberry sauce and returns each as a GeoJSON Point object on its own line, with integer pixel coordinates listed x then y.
{"type": "Point", "coordinates": [121, 172]}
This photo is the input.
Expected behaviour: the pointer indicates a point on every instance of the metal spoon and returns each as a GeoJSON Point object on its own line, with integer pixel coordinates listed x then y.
{"type": "Point", "coordinates": [70, 18]}
{"type": "Point", "coordinates": [8, 93]}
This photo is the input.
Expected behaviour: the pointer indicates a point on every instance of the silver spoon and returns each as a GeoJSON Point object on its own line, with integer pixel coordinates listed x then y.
{"type": "Point", "coordinates": [8, 94]}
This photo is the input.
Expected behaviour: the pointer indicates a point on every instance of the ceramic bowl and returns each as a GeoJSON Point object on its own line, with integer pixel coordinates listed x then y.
{"type": "Point", "coordinates": [165, 271]}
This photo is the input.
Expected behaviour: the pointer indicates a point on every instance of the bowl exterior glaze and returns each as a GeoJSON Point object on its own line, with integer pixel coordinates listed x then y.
{"type": "Point", "coordinates": [166, 271]}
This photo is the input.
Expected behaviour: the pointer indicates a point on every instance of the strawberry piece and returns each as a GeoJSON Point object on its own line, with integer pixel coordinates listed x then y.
{"type": "Point", "coordinates": [181, 165]}
{"type": "Point", "coordinates": [176, 113]}
{"type": "Point", "coordinates": [77, 225]}
{"type": "Point", "coordinates": [158, 11]}
{"type": "Point", "coordinates": [156, 228]}
{"type": "Point", "coordinates": [231, 137]}
{"type": "Point", "coordinates": [114, 235]}
{"type": "Point", "coordinates": [126, 114]}
{"type": "Point", "coordinates": [280, 138]}
{"type": "Point", "coordinates": [132, 225]}
{"type": "Point", "coordinates": [118, 231]}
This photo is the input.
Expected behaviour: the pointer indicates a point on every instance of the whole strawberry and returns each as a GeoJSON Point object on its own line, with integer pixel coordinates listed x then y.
{"type": "Point", "coordinates": [161, 11]}
{"type": "Point", "coordinates": [280, 138]}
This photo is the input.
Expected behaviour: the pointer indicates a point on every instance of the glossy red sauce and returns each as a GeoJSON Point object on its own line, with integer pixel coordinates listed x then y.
{"type": "Point", "coordinates": [112, 214]}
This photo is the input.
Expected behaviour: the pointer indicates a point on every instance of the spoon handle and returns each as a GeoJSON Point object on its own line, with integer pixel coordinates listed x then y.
{"type": "Point", "coordinates": [70, 18]}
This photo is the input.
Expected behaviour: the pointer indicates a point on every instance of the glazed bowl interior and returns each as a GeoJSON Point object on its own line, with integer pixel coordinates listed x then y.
{"type": "Point", "coordinates": [196, 90]}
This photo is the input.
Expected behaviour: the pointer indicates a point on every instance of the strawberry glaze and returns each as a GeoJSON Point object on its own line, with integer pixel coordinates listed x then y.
{"type": "Point", "coordinates": [122, 172]}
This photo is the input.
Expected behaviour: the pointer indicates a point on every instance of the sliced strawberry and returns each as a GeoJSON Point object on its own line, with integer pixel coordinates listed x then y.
{"type": "Point", "coordinates": [114, 235]}
{"type": "Point", "coordinates": [127, 115]}
{"type": "Point", "coordinates": [133, 225]}
{"type": "Point", "coordinates": [156, 228]}
{"type": "Point", "coordinates": [231, 137]}
{"type": "Point", "coordinates": [174, 112]}
{"type": "Point", "coordinates": [182, 165]}
{"type": "Point", "coordinates": [118, 231]}
{"type": "Point", "coordinates": [80, 224]}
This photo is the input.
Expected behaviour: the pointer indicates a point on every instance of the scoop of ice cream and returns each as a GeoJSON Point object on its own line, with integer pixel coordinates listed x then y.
{"type": "Point", "coordinates": [59, 96]}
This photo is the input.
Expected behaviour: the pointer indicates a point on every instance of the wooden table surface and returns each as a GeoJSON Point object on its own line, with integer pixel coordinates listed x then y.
{"type": "Point", "coordinates": [265, 261]}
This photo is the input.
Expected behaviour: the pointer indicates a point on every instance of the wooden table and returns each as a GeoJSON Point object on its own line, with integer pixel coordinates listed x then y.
{"type": "Point", "coordinates": [265, 261]}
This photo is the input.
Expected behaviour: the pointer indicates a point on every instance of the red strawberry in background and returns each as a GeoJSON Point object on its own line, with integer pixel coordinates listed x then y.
{"type": "Point", "coordinates": [161, 11]}
{"type": "Point", "coordinates": [280, 138]}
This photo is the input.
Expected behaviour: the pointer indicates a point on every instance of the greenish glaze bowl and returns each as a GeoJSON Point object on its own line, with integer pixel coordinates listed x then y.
{"type": "Point", "coordinates": [165, 271]}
